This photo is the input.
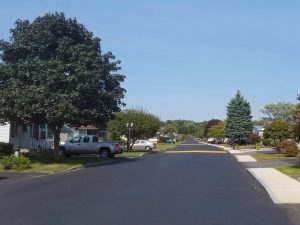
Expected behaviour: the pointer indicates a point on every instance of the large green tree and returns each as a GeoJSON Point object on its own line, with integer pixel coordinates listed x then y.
{"type": "Point", "coordinates": [238, 123]}
{"type": "Point", "coordinates": [278, 111]}
{"type": "Point", "coordinates": [210, 124]}
{"type": "Point", "coordinates": [278, 130]}
{"type": "Point", "coordinates": [53, 71]}
{"type": "Point", "coordinates": [168, 129]}
{"type": "Point", "coordinates": [217, 131]}
{"type": "Point", "coordinates": [144, 125]}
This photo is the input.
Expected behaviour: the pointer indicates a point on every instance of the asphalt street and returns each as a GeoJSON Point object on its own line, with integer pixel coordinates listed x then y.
{"type": "Point", "coordinates": [195, 187]}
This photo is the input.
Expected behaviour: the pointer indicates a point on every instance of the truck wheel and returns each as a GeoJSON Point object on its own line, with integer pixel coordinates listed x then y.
{"type": "Point", "coordinates": [104, 153]}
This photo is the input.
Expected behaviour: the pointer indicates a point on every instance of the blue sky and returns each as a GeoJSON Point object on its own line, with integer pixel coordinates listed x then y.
{"type": "Point", "coordinates": [186, 59]}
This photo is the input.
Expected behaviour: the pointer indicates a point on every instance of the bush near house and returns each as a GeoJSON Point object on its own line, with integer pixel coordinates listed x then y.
{"type": "Point", "coordinates": [15, 162]}
{"type": "Point", "coordinates": [6, 148]}
{"type": "Point", "coordinates": [290, 147]}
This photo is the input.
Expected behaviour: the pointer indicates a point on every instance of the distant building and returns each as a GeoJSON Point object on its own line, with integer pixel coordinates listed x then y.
{"type": "Point", "coordinates": [259, 131]}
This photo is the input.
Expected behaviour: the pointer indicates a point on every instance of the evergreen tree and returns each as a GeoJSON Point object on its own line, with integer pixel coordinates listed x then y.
{"type": "Point", "coordinates": [238, 123]}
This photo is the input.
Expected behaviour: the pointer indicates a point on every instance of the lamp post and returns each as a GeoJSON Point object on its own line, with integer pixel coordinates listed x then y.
{"type": "Point", "coordinates": [129, 126]}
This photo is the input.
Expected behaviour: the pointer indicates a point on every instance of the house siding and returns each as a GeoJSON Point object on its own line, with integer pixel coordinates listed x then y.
{"type": "Point", "coordinates": [4, 133]}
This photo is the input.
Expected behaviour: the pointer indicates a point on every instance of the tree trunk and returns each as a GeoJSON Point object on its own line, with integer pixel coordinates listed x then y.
{"type": "Point", "coordinates": [56, 133]}
{"type": "Point", "coordinates": [132, 143]}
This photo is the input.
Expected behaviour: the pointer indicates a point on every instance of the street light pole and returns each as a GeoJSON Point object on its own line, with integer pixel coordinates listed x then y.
{"type": "Point", "coordinates": [129, 126]}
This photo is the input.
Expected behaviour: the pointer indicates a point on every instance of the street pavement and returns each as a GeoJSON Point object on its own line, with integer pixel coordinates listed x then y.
{"type": "Point", "coordinates": [183, 188]}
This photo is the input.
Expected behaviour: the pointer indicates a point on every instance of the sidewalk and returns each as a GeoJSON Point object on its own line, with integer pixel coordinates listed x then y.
{"type": "Point", "coordinates": [281, 188]}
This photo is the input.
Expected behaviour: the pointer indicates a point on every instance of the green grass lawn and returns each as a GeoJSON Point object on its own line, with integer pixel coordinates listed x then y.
{"type": "Point", "coordinates": [240, 146]}
{"type": "Point", "coordinates": [270, 156]}
{"type": "Point", "coordinates": [290, 170]}
{"type": "Point", "coordinates": [165, 146]}
{"type": "Point", "coordinates": [49, 165]}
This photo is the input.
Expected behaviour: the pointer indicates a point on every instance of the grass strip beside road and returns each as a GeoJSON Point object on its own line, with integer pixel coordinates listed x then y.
{"type": "Point", "coordinates": [133, 153]}
{"type": "Point", "coordinates": [50, 165]}
{"type": "Point", "coordinates": [290, 170]}
{"type": "Point", "coordinates": [270, 156]}
{"type": "Point", "coordinates": [239, 146]}
{"type": "Point", "coordinates": [166, 146]}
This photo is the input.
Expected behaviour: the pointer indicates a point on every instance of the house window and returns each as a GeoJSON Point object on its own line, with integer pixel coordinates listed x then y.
{"type": "Point", "coordinates": [42, 131]}
{"type": "Point", "coordinates": [49, 133]}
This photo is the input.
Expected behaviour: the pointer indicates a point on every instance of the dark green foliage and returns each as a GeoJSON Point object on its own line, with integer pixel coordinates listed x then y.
{"type": "Point", "coordinates": [6, 148]}
{"type": "Point", "coordinates": [145, 124]}
{"type": "Point", "coordinates": [53, 72]}
{"type": "Point", "coordinates": [278, 130]}
{"type": "Point", "coordinates": [187, 127]}
{"type": "Point", "coordinates": [210, 124]}
{"type": "Point", "coordinates": [266, 142]}
{"type": "Point", "coordinates": [238, 123]}
{"type": "Point", "coordinates": [15, 162]}
{"type": "Point", "coordinates": [217, 131]}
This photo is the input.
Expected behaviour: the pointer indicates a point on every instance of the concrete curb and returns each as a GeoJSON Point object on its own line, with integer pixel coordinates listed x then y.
{"type": "Point", "coordinates": [281, 188]}
{"type": "Point", "coordinates": [95, 164]}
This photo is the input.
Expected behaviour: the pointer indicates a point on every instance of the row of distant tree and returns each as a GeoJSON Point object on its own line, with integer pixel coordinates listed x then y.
{"type": "Point", "coordinates": [281, 121]}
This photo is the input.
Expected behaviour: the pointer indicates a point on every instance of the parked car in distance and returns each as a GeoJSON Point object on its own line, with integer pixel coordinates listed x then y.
{"type": "Point", "coordinates": [143, 145]}
{"type": "Point", "coordinates": [90, 144]}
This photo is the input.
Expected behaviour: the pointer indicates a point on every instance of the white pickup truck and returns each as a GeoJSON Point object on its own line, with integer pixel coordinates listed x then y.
{"type": "Point", "coordinates": [90, 144]}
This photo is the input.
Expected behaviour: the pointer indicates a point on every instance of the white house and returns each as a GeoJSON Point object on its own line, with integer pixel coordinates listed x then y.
{"type": "Point", "coordinates": [259, 131]}
{"type": "Point", "coordinates": [40, 136]}
{"type": "Point", "coordinates": [4, 133]}
{"type": "Point", "coordinates": [31, 136]}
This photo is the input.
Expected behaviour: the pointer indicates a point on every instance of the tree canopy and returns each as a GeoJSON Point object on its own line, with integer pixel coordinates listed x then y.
{"type": "Point", "coordinates": [278, 111]}
{"type": "Point", "coordinates": [53, 71]}
{"type": "Point", "coordinates": [278, 130]}
{"type": "Point", "coordinates": [145, 124]}
{"type": "Point", "coordinates": [210, 124]}
{"type": "Point", "coordinates": [168, 129]}
{"type": "Point", "coordinates": [238, 123]}
{"type": "Point", "coordinates": [217, 131]}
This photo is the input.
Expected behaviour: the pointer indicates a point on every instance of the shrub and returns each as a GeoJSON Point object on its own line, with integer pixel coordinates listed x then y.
{"type": "Point", "coordinates": [290, 147]}
{"type": "Point", "coordinates": [283, 144]}
{"type": "Point", "coordinates": [254, 138]}
{"type": "Point", "coordinates": [266, 142]}
{"type": "Point", "coordinates": [7, 162]}
{"type": "Point", "coordinates": [15, 162]}
{"type": "Point", "coordinates": [6, 148]}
